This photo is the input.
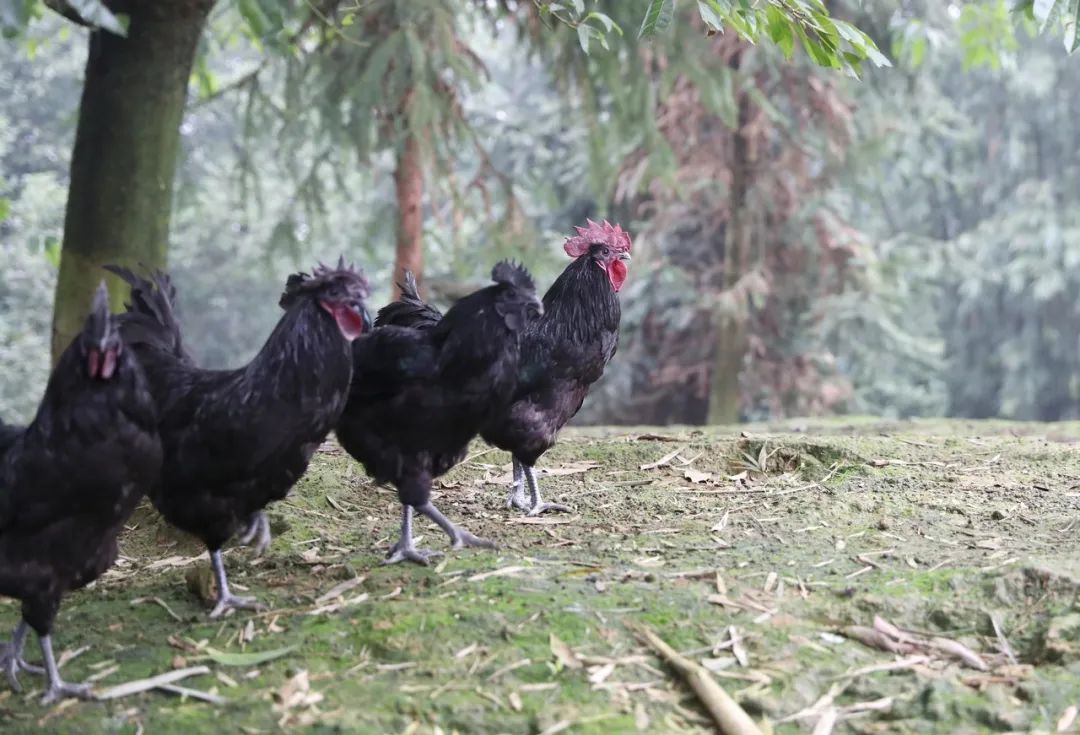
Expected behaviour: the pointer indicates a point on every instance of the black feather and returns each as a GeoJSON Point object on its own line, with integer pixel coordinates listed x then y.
{"type": "Point", "coordinates": [70, 479]}
{"type": "Point", "coordinates": [562, 355]}
{"type": "Point", "coordinates": [420, 393]}
{"type": "Point", "coordinates": [236, 440]}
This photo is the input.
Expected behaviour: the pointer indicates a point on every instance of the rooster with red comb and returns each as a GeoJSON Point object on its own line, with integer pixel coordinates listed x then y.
{"type": "Point", "coordinates": [562, 354]}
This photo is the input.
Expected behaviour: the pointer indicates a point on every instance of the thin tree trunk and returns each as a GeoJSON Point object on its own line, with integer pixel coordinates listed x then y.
{"type": "Point", "coordinates": [409, 186]}
{"type": "Point", "coordinates": [124, 161]}
{"type": "Point", "coordinates": [730, 330]}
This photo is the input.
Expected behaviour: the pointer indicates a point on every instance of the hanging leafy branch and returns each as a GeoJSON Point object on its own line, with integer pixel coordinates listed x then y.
{"type": "Point", "coordinates": [1047, 14]}
{"type": "Point", "coordinates": [829, 41]}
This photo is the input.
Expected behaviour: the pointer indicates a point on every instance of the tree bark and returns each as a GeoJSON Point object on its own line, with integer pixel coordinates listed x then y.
{"type": "Point", "coordinates": [124, 161]}
{"type": "Point", "coordinates": [409, 187]}
{"type": "Point", "coordinates": [730, 330]}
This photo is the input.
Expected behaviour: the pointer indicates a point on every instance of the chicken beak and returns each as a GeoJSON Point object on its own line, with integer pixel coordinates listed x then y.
{"type": "Point", "coordinates": [624, 256]}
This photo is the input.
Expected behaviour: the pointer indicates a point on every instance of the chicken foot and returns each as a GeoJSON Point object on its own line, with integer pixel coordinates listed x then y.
{"type": "Point", "coordinates": [537, 504]}
{"type": "Point", "coordinates": [258, 530]}
{"type": "Point", "coordinates": [404, 550]}
{"type": "Point", "coordinates": [226, 600]}
{"type": "Point", "coordinates": [459, 537]}
{"type": "Point", "coordinates": [517, 489]}
{"type": "Point", "coordinates": [58, 688]}
{"type": "Point", "coordinates": [11, 657]}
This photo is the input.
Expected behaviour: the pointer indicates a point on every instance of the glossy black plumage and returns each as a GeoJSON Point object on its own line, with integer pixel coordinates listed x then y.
{"type": "Point", "coordinates": [70, 480]}
{"type": "Point", "coordinates": [562, 355]}
{"type": "Point", "coordinates": [8, 435]}
{"type": "Point", "coordinates": [419, 396]}
{"type": "Point", "coordinates": [237, 440]}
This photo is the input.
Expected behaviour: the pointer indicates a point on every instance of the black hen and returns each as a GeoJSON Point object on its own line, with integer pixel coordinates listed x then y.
{"type": "Point", "coordinates": [562, 354]}
{"type": "Point", "coordinates": [420, 395]}
{"type": "Point", "coordinates": [8, 435]}
{"type": "Point", "coordinates": [69, 480]}
{"type": "Point", "coordinates": [236, 440]}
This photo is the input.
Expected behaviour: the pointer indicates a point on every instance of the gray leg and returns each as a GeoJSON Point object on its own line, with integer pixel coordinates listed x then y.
{"type": "Point", "coordinates": [404, 549]}
{"type": "Point", "coordinates": [258, 530]}
{"type": "Point", "coordinates": [459, 537]}
{"type": "Point", "coordinates": [517, 489]}
{"type": "Point", "coordinates": [58, 688]}
{"type": "Point", "coordinates": [11, 657]}
{"type": "Point", "coordinates": [227, 600]}
{"type": "Point", "coordinates": [537, 504]}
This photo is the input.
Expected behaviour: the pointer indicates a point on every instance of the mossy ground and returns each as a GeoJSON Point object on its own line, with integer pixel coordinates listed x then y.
{"type": "Point", "coordinates": [941, 527]}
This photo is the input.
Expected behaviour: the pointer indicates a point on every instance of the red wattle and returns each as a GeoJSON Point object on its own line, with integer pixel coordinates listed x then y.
{"type": "Point", "coordinates": [108, 364]}
{"type": "Point", "coordinates": [616, 273]}
{"type": "Point", "coordinates": [93, 362]}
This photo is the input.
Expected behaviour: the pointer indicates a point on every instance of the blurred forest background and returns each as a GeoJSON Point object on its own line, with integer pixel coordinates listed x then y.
{"type": "Point", "coordinates": [805, 242]}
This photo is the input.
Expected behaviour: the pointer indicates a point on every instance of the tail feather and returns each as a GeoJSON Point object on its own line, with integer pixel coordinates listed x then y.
{"type": "Point", "coordinates": [150, 319]}
{"type": "Point", "coordinates": [409, 310]}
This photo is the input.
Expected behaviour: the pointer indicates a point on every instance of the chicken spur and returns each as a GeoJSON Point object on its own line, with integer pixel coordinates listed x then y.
{"type": "Point", "coordinates": [419, 396]}
{"type": "Point", "coordinates": [236, 440]}
{"type": "Point", "coordinates": [69, 481]}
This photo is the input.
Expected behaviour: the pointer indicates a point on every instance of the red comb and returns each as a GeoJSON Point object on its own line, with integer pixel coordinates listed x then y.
{"type": "Point", "coordinates": [605, 233]}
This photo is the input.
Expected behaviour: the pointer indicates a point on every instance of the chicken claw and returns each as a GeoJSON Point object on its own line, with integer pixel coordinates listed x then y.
{"type": "Point", "coordinates": [400, 553]}
{"type": "Point", "coordinates": [11, 658]}
{"type": "Point", "coordinates": [543, 507]}
{"type": "Point", "coordinates": [258, 530]}
{"type": "Point", "coordinates": [63, 689]}
{"type": "Point", "coordinates": [58, 688]}
{"type": "Point", "coordinates": [227, 600]}
{"type": "Point", "coordinates": [459, 537]}
{"type": "Point", "coordinates": [537, 504]}
{"type": "Point", "coordinates": [404, 550]}
{"type": "Point", "coordinates": [232, 602]}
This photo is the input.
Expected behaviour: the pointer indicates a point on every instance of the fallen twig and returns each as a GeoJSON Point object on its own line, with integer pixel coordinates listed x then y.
{"type": "Point", "coordinates": [161, 603]}
{"type": "Point", "coordinates": [193, 694]}
{"type": "Point", "coordinates": [729, 717]}
{"type": "Point", "coordinates": [154, 682]}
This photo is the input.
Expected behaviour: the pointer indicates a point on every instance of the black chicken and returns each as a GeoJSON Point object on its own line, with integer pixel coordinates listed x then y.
{"type": "Point", "coordinates": [562, 354]}
{"type": "Point", "coordinates": [70, 480]}
{"type": "Point", "coordinates": [419, 396]}
{"type": "Point", "coordinates": [8, 435]}
{"type": "Point", "coordinates": [237, 440]}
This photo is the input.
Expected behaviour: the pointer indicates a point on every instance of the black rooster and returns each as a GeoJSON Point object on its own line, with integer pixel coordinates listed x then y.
{"type": "Point", "coordinates": [8, 435]}
{"type": "Point", "coordinates": [68, 482]}
{"type": "Point", "coordinates": [236, 440]}
{"type": "Point", "coordinates": [562, 354]}
{"type": "Point", "coordinates": [420, 395]}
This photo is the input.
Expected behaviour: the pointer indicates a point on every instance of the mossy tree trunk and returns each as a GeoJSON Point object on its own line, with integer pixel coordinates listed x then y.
{"type": "Point", "coordinates": [126, 145]}
{"type": "Point", "coordinates": [730, 329]}
{"type": "Point", "coordinates": [409, 187]}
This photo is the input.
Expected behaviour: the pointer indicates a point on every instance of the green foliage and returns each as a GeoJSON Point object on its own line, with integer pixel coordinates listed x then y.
{"type": "Point", "coordinates": [827, 40]}
{"type": "Point", "coordinates": [657, 18]}
{"type": "Point", "coordinates": [976, 236]}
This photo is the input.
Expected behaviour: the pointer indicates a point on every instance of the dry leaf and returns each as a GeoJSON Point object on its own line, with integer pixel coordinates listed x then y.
{"type": "Point", "coordinates": [515, 701]}
{"type": "Point", "coordinates": [665, 460]}
{"type": "Point", "coordinates": [696, 475]}
{"type": "Point", "coordinates": [737, 647]}
{"type": "Point", "coordinates": [564, 653]}
{"type": "Point", "coordinates": [338, 589]}
{"type": "Point", "coordinates": [599, 674]}
{"type": "Point", "coordinates": [1067, 718]}
{"type": "Point", "coordinates": [296, 692]}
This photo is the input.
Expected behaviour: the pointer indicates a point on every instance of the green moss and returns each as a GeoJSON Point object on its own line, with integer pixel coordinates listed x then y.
{"type": "Point", "coordinates": [425, 644]}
